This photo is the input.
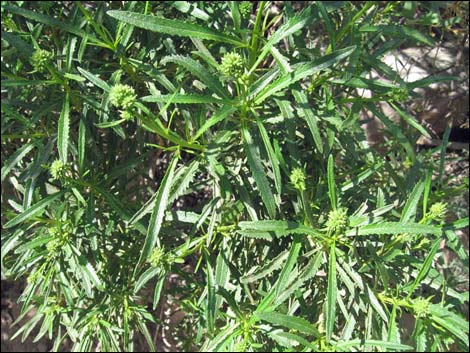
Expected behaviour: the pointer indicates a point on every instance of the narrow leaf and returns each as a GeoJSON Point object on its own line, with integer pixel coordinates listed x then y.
{"type": "Point", "coordinates": [331, 294]}
{"type": "Point", "coordinates": [331, 182]}
{"type": "Point", "coordinates": [158, 212]}
{"type": "Point", "coordinates": [63, 130]}
{"type": "Point", "coordinates": [254, 161]}
{"type": "Point", "coordinates": [33, 210]}
{"type": "Point", "coordinates": [291, 322]}
{"type": "Point", "coordinates": [173, 27]}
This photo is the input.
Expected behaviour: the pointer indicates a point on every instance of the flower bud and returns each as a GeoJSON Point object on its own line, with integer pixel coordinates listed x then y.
{"type": "Point", "coordinates": [40, 59]}
{"type": "Point", "coordinates": [122, 96]}
{"type": "Point", "coordinates": [245, 8]}
{"type": "Point", "coordinates": [297, 178]}
{"type": "Point", "coordinates": [421, 307]}
{"type": "Point", "coordinates": [58, 169]}
{"type": "Point", "coordinates": [232, 66]}
{"type": "Point", "coordinates": [438, 211]}
{"type": "Point", "coordinates": [337, 220]}
{"type": "Point", "coordinates": [157, 257]}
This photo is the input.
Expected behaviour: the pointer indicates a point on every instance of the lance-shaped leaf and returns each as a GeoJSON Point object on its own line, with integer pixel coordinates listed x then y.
{"type": "Point", "coordinates": [158, 212]}
{"type": "Point", "coordinates": [63, 130]}
{"type": "Point", "coordinates": [33, 210]}
{"type": "Point", "coordinates": [331, 294]}
{"type": "Point", "coordinates": [291, 322]}
{"type": "Point", "coordinates": [199, 71]}
{"type": "Point", "coordinates": [286, 272]}
{"type": "Point", "coordinates": [183, 99]}
{"type": "Point", "coordinates": [173, 27]}
{"type": "Point", "coordinates": [15, 158]}
{"type": "Point", "coordinates": [290, 27]}
{"type": "Point", "coordinates": [254, 161]}
{"type": "Point", "coordinates": [302, 71]}
{"type": "Point", "coordinates": [395, 228]}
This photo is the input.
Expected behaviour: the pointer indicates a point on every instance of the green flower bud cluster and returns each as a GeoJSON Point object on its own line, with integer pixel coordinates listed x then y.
{"type": "Point", "coordinates": [40, 59]}
{"type": "Point", "coordinates": [60, 234]}
{"type": "Point", "coordinates": [337, 220]}
{"type": "Point", "coordinates": [398, 94]}
{"type": "Point", "coordinates": [438, 211]}
{"type": "Point", "coordinates": [126, 114]}
{"type": "Point", "coordinates": [232, 66]}
{"type": "Point", "coordinates": [157, 258]}
{"type": "Point", "coordinates": [53, 246]}
{"type": "Point", "coordinates": [58, 169]}
{"type": "Point", "coordinates": [297, 178]}
{"type": "Point", "coordinates": [122, 96]}
{"type": "Point", "coordinates": [421, 307]}
{"type": "Point", "coordinates": [245, 8]}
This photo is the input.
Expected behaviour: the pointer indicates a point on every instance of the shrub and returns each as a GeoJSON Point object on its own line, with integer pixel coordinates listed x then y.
{"type": "Point", "coordinates": [302, 236]}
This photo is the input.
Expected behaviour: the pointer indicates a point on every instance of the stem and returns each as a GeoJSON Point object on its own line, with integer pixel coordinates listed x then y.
{"type": "Point", "coordinates": [307, 209]}
{"type": "Point", "coordinates": [256, 33]}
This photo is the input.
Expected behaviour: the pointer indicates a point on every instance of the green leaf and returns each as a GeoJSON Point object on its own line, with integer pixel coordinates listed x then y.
{"type": "Point", "coordinates": [331, 182]}
{"type": "Point", "coordinates": [235, 14]}
{"type": "Point", "coordinates": [254, 161]}
{"type": "Point", "coordinates": [425, 82]}
{"type": "Point", "coordinates": [453, 323]}
{"type": "Point", "coordinates": [214, 119]}
{"type": "Point", "coordinates": [281, 336]}
{"type": "Point", "coordinates": [182, 180]}
{"type": "Point", "coordinates": [395, 130]}
{"type": "Point", "coordinates": [291, 322]}
{"type": "Point", "coordinates": [108, 124]}
{"type": "Point", "coordinates": [24, 49]}
{"type": "Point", "coordinates": [63, 130]}
{"type": "Point", "coordinates": [32, 15]}
{"type": "Point", "coordinates": [303, 70]}
{"type": "Point", "coordinates": [210, 304]}
{"type": "Point", "coordinates": [399, 31]}
{"type": "Point", "coordinates": [409, 211]}
{"type": "Point", "coordinates": [81, 144]}
{"type": "Point", "coordinates": [94, 79]}
{"type": "Point", "coordinates": [310, 118]}
{"type": "Point", "coordinates": [199, 71]}
{"type": "Point", "coordinates": [173, 27]}
{"type": "Point", "coordinates": [273, 161]}
{"type": "Point", "coordinates": [183, 99]}
{"type": "Point", "coordinates": [308, 272]}
{"type": "Point", "coordinates": [34, 243]}
{"type": "Point", "coordinates": [282, 281]}
{"type": "Point", "coordinates": [328, 23]}
{"type": "Point", "coordinates": [331, 295]}
{"type": "Point", "coordinates": [395, 228]}
{"type": "Point", "coordinates": [423, 271]}
{"type": "Point", "coordinates": [294, 24]}
{"type": "Point", "coordinates": [19, 83]}
{"type": "Point", "coordinates": [34, 210]}
{"type": "Point", "coordinates": [374, 302]}
{"type": "Point", "coordinates": [219, 342]}
{"type": "Point", "coordinates": [376, 343]}
{"type": "Point", "coordinates": [15, 158]}
{"type": "Point", "coordinates": [158, 212]}
{"type": "Point", "coordinates": [410, 120]}
{"type": "Point", "coordinates": [281, 60]}
{"type": "Point", "coordinates": [278, 228]}
{"type": "Point", "coordinates": [158, 289]}
{"type": "Point", "coordinates": [186, 7]}
{"type": "Point", "coordinates": [90, 272]}
{"type": "Point", "coordinates": [393, 334]}
{"type": "Point", "coordinates": [145, 277]}
{"type": "Point", "coordinates": [265, 270]}
{"type": "Point", "coordinates": [222, 276]}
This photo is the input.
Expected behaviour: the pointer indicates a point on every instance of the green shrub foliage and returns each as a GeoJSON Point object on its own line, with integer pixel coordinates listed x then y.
{"type": "Point", "coordinates": [222, 145]}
